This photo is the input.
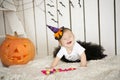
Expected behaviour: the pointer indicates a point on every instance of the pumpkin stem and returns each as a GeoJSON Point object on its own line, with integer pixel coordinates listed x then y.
{"type": "Point", "coordinates": [12, 37]}
{"type": "Point", "coordinates": [15, 33]}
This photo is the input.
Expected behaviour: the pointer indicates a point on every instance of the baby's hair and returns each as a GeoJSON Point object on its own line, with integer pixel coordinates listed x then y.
{"type": "Point", "coordinates": [64, 30]}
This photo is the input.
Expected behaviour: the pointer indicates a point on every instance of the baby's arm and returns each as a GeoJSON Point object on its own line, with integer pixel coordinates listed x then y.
{"type": "Point", "coordinates": [55, 62]}
{"type": "Point", "coordinates": [83, 62]}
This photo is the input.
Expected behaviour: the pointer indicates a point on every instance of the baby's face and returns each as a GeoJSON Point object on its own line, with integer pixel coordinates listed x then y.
{"type": "Point", "coordinates": [67, 39]}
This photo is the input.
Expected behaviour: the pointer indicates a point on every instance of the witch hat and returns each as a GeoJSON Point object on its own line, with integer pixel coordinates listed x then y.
{"type": "Point", "coordinates": [54, 29]}
{"type": "Point", "coordinates": [58, 32]}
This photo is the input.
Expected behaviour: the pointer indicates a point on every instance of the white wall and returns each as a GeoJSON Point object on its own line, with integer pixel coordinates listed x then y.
{"type": "Point", "coordinates": [118, 25]}
{"type": "Point", "coordinates": [2, 27]}
{"type": "Point", "coordinates": [94, 21]}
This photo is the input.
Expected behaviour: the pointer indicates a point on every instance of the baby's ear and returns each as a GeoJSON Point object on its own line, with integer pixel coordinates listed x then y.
{"type": "Point", "coordinates": [59, 43]}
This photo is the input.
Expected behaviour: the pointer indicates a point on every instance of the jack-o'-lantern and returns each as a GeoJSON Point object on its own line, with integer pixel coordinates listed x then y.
{"type": "Point", "coordinates": [15, 50]}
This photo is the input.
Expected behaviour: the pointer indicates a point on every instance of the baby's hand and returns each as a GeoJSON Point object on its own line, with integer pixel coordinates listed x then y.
{"type": "Point", "coordinates": [49, 67]}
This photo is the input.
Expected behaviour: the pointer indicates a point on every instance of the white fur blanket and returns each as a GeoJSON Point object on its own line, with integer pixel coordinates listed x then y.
{"type": "Point", "coordinates": [105, 69]}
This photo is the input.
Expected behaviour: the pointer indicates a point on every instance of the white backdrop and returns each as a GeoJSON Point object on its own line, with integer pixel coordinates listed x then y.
{"type": "Point", "coordinates": [94, 21]}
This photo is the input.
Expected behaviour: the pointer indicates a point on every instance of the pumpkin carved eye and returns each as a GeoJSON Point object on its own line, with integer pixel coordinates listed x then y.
{"type": "Point", "coordinates": [25, 45]}
{"type": "Point", "coordinates": [24, 56]}
{"type": "Point", "coordinates": [8, 45]}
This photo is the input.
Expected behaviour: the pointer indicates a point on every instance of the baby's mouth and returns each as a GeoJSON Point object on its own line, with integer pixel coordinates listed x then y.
{"type": "Point", "coordinates": [69, 42]}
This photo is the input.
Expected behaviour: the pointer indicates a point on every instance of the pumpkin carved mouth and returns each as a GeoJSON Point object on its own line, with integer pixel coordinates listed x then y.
{"type": "Point", "coordinates": [16, 58]}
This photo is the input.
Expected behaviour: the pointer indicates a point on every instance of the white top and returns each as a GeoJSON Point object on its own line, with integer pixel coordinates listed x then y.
{"type": "Point", "coordinates": [74, 55]}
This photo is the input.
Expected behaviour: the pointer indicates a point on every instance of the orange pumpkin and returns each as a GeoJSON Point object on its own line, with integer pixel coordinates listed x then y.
{"type": "Point", "coordinates": [15, 50]}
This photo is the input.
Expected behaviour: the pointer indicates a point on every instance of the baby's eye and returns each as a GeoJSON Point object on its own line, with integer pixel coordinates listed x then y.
{"type": "Point", "coordinates": [65, 39]}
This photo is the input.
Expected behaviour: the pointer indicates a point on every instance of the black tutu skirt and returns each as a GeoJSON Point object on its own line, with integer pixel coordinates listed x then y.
{"type": "Point", "coordinates": [92, 51]}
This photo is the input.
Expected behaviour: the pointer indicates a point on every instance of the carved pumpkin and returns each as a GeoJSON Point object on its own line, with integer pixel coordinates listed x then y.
{"type": "Point", "coordinates": [15, 50]}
